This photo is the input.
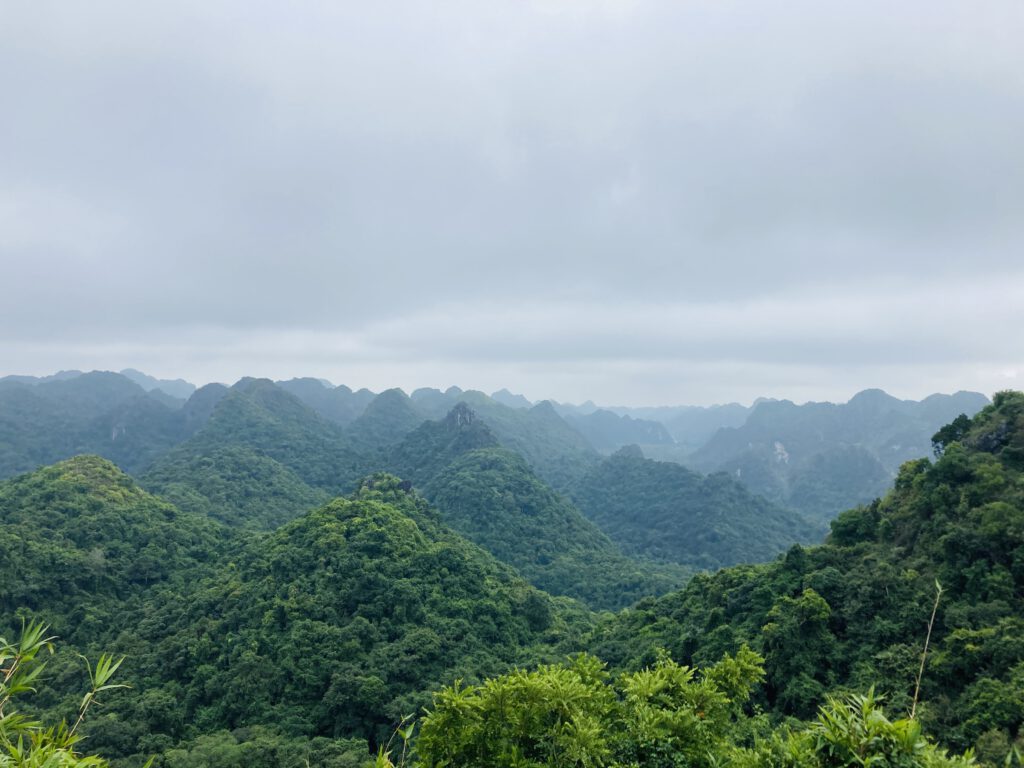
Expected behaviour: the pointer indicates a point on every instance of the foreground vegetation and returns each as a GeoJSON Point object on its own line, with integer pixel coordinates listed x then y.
{"type": "Point", "coordinates": [576, 714]}
{"type": "Point", "coordinates": [569, 715]}
{"type": "Point", "coordinates": [853, 613]}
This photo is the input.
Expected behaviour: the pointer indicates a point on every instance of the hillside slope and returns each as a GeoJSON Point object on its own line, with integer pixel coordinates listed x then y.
{"type": "Point", "coordinates": [79, 541]}
{"type": "Point", "coordinates": [99, 412]}
{"type": "Point", "coordinates": [261, 458]}
{"type": "Point", "coordinates": [667, 512]}
{"type": "Point", "coordinates": [387, 418]}
{"type": "Point", "coordinates": [491, 496]}
{"type": "Point", "coordinates": [334, 626]}
{"type": "Point", "coordinates": [821, 458]}
{"type": "Point", "coordinates": [853, 612]}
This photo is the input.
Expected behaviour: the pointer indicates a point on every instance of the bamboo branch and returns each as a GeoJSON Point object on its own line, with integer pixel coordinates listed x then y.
{"type": "Point", "coordinates": [924, 654]}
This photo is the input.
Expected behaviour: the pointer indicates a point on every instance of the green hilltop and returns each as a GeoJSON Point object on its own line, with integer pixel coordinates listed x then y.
{"type": "Point", "coordinates": [853, 613]}
{"type": "Point", "coordinates": [666, 512]}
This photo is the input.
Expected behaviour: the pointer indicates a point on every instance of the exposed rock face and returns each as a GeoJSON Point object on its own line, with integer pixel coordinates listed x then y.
{"type": "Point", "coordinates": [460, 416]}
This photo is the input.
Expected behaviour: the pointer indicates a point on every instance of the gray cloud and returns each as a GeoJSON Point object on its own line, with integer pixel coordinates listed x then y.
{"type": "Point", "coordinates": [621, 200]}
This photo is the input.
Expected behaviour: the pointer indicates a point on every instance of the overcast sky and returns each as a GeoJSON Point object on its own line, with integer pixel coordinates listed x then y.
{"type": "Point", "coordinates": [633, 202]}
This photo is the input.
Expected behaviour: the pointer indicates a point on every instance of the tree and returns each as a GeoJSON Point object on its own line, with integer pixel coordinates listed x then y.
{"type": "Point", "coordinates": [799, 645]}
{"type": "Point", "coordinates": [952, 432]}
{"type": "Point", "coordinates": [24, 742]}
{"type": "Point", "coordinates": [852, 731]}
{"type": "Point", "coordinates": [573, 715]}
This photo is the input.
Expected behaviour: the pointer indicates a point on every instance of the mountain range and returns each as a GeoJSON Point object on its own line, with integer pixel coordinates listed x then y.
{"type": "Point", "coordinates": [286, 588]}
{"type": "Point", "coordinates": [816, 458]}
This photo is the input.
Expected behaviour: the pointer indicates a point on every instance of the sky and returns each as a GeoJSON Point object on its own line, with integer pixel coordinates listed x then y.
{"type": "Point", "coordinates": [632, 202]}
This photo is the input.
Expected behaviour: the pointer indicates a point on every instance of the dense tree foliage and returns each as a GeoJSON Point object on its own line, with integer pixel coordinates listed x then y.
{"type": "Point", "coordinates": [233, 484]}
{"type": "Point", "coordinates": [260, 633]}
{"type": "Point", "coordinates": [491, 497]}
{"type": "Point", "coordinates": [341, 621]}
{"type": "Point", "coordinates": [664, 511]}
{"type": "Point", "coordinates": [327, 629]}
{"type": "Point", "coordinates": [852, 613]}
{"type": "Point", "coordinates": [576, 715]}
{"type": "Point", "coordinates": [573, 714]}
{"type": "Point", "coordinates": [102, 413]}
{"type": "Point", "coordinates": [81, 540]}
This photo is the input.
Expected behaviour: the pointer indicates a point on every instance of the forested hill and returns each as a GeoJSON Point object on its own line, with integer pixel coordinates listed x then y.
{"type": "Point", "coordinates": [492, 497]}
{"type": "Point", "coordinates": [79, 541]}
{"type": "Point", "coordinates": [435, 444]}
{"type": "Point", "coordinates": [821, 458]}
{"type": "Point", "coordinates": [103, 413]}
{"type": "Point", "coordinates": [260, 458]}
{"type": "Point", "coordinates": [338, 404]}
{"type": "Point", "coordinates": [853, 613]}
{"type": "Point", "coordinates": [234, 484]}
{"type": "Point", "coordinates": [314, 638]}
{"type": "Point", "coordinates": [554, 450]}
{"type": "Point", "coordinates": [667, 512]}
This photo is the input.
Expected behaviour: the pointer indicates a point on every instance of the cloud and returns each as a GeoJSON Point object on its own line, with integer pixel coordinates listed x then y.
{"type": "Point", "coordinates": [551, 184]}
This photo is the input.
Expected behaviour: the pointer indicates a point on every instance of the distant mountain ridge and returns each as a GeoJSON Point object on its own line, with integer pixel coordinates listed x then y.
{"type": "Point", "coordinates": [177, 388]}
{"type": "Point", "coordinates": [821, 458]}
{"type": "Point", "coordinates": [608, 432]}
{"type": "Point", "coordinates": [99, 412]}
{"type": "Point", "coordinates": [689, 426]}
{"type": "Point", "coordinates": [817, 458]}
{"type": "Point", "coordinates": [338, 404]}
{"type": "Point", "coordinates": [665, 511]}
{"type": "Point", "coordinates": [490, 495]}
{"type": "Point", "coordinates": [387, 418]}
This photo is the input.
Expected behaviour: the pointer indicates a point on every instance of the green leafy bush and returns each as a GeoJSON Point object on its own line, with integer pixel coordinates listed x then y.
{"type": "Point", "coordinates": [24, 741]}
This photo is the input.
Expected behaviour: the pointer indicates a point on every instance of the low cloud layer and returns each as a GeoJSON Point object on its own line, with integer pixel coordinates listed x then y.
{"type": "Point", "coordinates": [633, 202]}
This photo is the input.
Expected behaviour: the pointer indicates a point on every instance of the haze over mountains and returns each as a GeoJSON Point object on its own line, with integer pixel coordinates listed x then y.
{"type": "Point", "coordinates": [816, 458]}
{"type": "Point", "coordinates": [287, 584]}
{"type": "Point", "coordinates": [563, 494]}
{"type": "Point", "coordinates": [254, 455]}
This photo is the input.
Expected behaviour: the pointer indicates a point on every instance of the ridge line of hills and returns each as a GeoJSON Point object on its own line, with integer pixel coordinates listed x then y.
{"type": "Point", "coordinates": [816, 458]}
{"type": "Point", "coordinates": [309, 641]}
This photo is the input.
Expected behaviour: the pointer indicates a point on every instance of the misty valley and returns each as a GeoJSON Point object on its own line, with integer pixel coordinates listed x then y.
{"type": "Point", "coordinates": [292, 573]}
